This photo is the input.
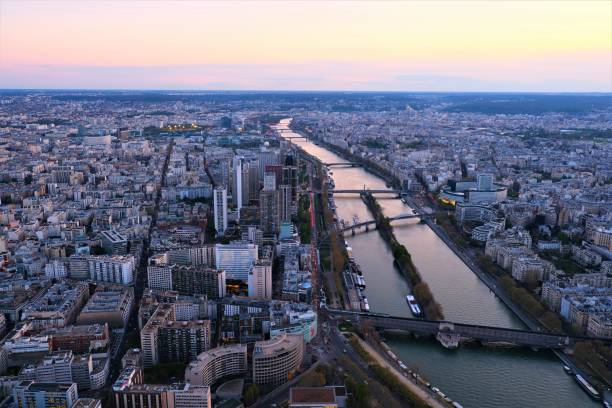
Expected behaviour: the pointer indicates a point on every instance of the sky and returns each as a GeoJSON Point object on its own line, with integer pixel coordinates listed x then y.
{"type": "Point", "coordinates": [536, 46]}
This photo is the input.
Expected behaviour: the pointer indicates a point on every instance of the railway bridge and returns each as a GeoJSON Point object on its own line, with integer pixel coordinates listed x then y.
{"type": "Point", "coordinates": [465, 331]}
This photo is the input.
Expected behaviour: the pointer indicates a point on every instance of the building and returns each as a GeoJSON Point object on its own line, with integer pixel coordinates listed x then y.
{"type": "Point", "coordinates": [65, 367]}
{"type": "Point", "coordinates": [217, 363]}
{"type": "Point", "coordinates": [190, 396]}
{"type": "Point", "coordinates": [78, 339]}
{"type": "Point", "coordinates": [260, 280]}
{"type": "Point", "coordinates": [112, 269]}
{"type": "Point", "coordinates": [603, 237]}
{"type": "Point", "coordinates": [87, 403]}
{"type": "Point", "coordinates": [141, 396]}
{"type": "Point", "coordinates": [56, 269]}
{"type": "Point", "coordinates": [164, 339]}
{"type": "Point", "coordinates": [600, 325]}
{"type": "Point", "coordinates": [484, 182]}
{"type": "Point", "coordinates": [78, 267]}
{"type": "Point", "coordinates": [114, 243]}
{"type": "Point", "coordinates": [237, 177]}
{"type": "Point", "coordinates": [183, 340]}
{"type": "Point", "coordinates": [482, 190]}
{"type": "Point", "coordinates": [317, 397]}
{"type": "Point", "coordinates": [269, 211]}
{"type": "Point", "coordinates": [529, 269]}
{"type": "Point", "coordinates": [110, 305]}
{"type": "Point", "coordinates": [220, 209]}
{"type": "Point", "coordinates": [189, 280]}
{"type": "Point", "coordinates": [276, 361]}
{"type": "Point", "coordinates": [187, 276]}
{"type": "Point", "coordinates": [236, 259]}
{"type": "Point", "coordinates": [54, 368]}
{"type": "Point", "coordinates": [286, 203]}
{"type": "Point", "coordinates": [28, 394]}
{"type": "Point", "coordinates": [58, 306]}
{"type": "Point", "coordinates": [162, 396]}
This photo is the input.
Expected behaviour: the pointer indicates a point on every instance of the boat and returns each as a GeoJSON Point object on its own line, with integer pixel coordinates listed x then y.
{"type": "Point", "coordinates": [587, 387]}
{"type": "Point", "coordinates": [414, 306]}
{"type": "Point", "coordinates": [366, 306]}
{"type": "Point", "coordinates": [568, 370]}
{"type": "Point", "coordinates": [448, 340]}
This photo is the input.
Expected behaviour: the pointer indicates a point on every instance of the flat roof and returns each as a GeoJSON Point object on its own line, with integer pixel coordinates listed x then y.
{"type": "Point", "coordinates": [312, 395]}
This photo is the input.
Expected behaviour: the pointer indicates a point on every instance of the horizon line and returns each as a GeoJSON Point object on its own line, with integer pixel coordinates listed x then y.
{"type": "Point", "coordinates": [302, 91]}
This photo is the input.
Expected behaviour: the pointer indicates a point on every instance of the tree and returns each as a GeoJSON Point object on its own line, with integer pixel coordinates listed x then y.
{"type": "Point", "coordinates": [28, 179]}
{"type": "Point", "coordinates": [551, 321]}
{"type": "Point", "coordinates": [251, 395]}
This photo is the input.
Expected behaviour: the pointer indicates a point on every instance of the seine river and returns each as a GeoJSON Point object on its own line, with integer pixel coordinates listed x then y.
{"type": "Point", "coordinates": [475, 376]}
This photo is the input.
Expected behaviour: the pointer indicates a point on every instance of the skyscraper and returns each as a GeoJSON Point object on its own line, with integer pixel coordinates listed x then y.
{"type": "Point", "coordinates": [238, 174]}
{"type": "Point", "coordinates": [266, 157]}
{"type": "Point", "coordinates": [286, 202]}
{"type": "Point", "coordinates": [269, 211]}
{"type": "Point", "coordinates": [220, 209]}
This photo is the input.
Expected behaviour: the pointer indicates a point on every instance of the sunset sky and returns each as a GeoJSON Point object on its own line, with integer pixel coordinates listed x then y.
{"type": "Point", "coordinates": [395, 46]}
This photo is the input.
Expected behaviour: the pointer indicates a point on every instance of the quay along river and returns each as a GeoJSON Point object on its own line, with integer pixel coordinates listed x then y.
{"type": "Point", "coordinates": [473, 375]}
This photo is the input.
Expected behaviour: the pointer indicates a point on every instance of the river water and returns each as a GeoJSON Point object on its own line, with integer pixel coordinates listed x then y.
{"type": "Point", "coordinates": [475, 376]}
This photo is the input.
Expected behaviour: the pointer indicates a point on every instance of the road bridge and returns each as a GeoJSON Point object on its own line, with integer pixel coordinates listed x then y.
{"type": "Point", "coordinates": [366, 224]}
{"type": "Point", "coordinates": [343, 164]}
{"type": "Point", "coordinates": [362, 191]}
{"type": "Point", "coordinates": [465, 331]}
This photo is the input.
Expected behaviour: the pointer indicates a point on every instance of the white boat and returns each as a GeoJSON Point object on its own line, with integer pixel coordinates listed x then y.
{"type": "Point", "coordinates": [414, 306]}
{"type": "Point", "coordinates": [587, 387]}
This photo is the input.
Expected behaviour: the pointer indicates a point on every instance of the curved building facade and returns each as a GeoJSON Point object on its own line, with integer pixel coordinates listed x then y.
{"type": "Point", "coordinates": [276, 360]}
{"type": "Point", "coordinates": [217, 363]}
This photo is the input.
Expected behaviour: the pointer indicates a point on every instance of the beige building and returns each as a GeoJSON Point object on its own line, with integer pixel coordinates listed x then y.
{"type": "Point", "coordinates": [217, 363]}
{"type": "Point", "coordinates": [275, 361]}
{"type": "Point", "coordinates": [110, 305]}
{"type": "Point", "coordinates": [600, 325]}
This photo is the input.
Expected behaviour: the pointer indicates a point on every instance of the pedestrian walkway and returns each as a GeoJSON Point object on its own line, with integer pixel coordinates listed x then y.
{"type": "Point", "coordinates": [417, 390]}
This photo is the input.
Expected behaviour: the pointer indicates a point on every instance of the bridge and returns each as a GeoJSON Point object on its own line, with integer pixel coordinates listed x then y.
{"type": "Point", "coordinates": [343, 164]}
{"type": "Point", "coordinates": [367, 224]}
{"type": "Point", "coordinates": [362, 191]}
{"type": "Point", "coordinates": [465, 331]}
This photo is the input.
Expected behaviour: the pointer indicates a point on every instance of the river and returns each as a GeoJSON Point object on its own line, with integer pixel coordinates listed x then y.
{"type": "Point", "coordinates": [475, 376]}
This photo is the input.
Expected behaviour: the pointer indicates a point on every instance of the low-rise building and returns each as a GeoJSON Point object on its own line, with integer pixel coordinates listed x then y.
{"type": "Point", "coordinates": [110, 305]}
{"type": "Point", "coordinates": [29, 394]}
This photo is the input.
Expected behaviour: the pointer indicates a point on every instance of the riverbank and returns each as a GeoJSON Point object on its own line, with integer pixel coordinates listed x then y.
{"type": "Point", "coordinates": [403, 260]}
{"type": "Point", "coordinates": [390, 376]}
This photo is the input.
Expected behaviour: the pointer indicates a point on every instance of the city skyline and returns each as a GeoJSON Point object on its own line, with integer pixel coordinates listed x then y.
{"type": "Point", "coordinates": [389, 46]}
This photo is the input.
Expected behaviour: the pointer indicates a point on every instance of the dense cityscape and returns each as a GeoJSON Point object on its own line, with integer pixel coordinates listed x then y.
{"type": "Point", "coordinates": [211, 249]}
